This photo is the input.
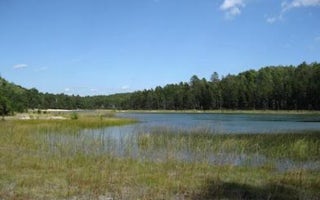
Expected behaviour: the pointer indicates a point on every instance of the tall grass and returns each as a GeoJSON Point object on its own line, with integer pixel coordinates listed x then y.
{"type": "Point", "coordinates": [294, 146]}
{"type": "Point", "coordinates": [53, 159]}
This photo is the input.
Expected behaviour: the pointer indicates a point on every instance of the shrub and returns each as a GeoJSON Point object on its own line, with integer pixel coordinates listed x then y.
{"type": "Point", "coordinates": [74, 116]}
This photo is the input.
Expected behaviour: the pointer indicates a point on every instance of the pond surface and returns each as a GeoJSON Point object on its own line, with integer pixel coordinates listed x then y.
{"type": "Point", "coordinates": [125, 141]}
{"type": "Point", "coordinates": [227, 123]}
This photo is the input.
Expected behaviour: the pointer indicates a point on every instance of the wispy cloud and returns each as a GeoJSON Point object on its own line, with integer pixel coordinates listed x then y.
{"type": "Point", "coordinates": [19, 66]}
{"type": "Point", "coordinates": [275, 18]}
{"type": "Point", "coordinates": [289, 5]}
{"type": "Point", "coordinates": [232, 8]}
{"type": "Point", "coordinates": [271, 20]}
{"type": "Point", "coordinates": [299, 3]}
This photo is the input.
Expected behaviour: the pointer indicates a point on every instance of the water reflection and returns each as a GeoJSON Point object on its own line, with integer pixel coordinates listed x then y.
{"type": "Point", "coordinates": [229, 123]}
{"type": "Point", "coordinates": [134, 141]}
{"type": "Point", "coordinates": [137, 142]}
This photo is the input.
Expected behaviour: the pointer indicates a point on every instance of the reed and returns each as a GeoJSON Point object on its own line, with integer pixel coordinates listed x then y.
{"type": "Point", "coordinates": [53, 159]}
{"type": "Point", "coordinates": [294, 146]}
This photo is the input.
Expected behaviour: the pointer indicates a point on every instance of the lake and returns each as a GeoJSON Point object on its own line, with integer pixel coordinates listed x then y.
{"type": "Point", "coordinates": [128, 140]}
{"type": "Point", "coordinates": [226, 123]}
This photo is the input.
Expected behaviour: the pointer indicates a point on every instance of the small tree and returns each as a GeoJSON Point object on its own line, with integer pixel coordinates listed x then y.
{"type": "Point", "coordinates": [4, 107]}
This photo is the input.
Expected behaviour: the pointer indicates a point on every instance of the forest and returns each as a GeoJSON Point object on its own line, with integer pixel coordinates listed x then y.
{"type": "Point", "coordinates": [269, 88]}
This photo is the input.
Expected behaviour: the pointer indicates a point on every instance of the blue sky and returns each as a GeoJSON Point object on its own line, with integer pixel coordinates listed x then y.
{"type": "Point", "coordinates": [91, 47]}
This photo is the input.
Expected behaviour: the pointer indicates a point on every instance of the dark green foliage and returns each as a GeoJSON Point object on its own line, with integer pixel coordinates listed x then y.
{"type": "Point", "coordinates": [225, 190]}
{"type": "Point", "coordinates": [272, 88]}
{"type": "Point", "coordinates": [4, 106]}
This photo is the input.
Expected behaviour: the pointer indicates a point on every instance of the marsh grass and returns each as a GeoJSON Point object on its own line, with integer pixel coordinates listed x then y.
{"type": "Point", "coordinates": [52, 159]}
{"type": "Point", "coordinates": [295, 146]}
{"type": "Point", "coordinates": [81, 122]}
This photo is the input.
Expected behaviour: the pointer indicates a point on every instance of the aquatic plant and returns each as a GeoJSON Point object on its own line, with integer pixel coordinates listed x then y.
{"type": "Point", "coordinates": [54, 159]}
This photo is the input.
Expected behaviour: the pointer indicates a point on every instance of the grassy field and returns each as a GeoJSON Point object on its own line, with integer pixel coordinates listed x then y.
{"type": "Point", "coordinates": [52, 159]}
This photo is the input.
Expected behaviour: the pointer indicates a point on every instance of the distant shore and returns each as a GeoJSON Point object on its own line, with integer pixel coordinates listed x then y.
{"type": "Point", "coordinates": [62, 113]}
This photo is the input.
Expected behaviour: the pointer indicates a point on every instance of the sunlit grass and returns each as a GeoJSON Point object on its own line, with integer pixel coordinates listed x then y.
{"type": "Point", "coordinates": [80, 123]}
{"type": "Point", "coordinates": [295, 146]}
{"type": "Point", "coordinates": [51, 159]}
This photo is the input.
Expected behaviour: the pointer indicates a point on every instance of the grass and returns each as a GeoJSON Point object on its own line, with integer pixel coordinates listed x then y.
{"type": "Point", "coordinates": [296, 146]}
{"type": "Point", "coordinates": [52, 159]}
{"type": "Point", "coordinates": [72, 122]}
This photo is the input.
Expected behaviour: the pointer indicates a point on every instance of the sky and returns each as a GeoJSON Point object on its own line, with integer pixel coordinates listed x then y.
{"type": "Point", "coordinates": [94, 47]}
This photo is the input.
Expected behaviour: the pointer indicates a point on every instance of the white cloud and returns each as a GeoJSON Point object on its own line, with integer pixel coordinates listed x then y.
{"type": "Point", "coordinates": [67, 90]}
{"type": "Point", "coordinates": [271, 20]}
{"type": "Point", "coordinates": [299, 3]}
{"type": "Point", "coordinates": [286, 6]}
{"type": "Point", "coordinates": [19, 66]}
{"type": "Point", "coordinates": [274, 19]}
{"type": "Point", "coordinates": [228, 4]}
{"type": "Point", "coordinates": [232, 8]}
{"type": "Point", "coordinates": [235, 11]}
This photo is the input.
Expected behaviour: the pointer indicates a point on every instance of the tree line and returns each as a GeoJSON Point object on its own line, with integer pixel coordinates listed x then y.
{"type": "Point", "coordinates": [273, 87]}
{"type": "Point", "coordinates": [14, 98]}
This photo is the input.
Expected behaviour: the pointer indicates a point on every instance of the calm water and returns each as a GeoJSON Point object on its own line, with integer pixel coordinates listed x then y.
{"type": "Point", "coordinates": [227, 123]}
{"type": "Point", "coordinates": [122, 141]}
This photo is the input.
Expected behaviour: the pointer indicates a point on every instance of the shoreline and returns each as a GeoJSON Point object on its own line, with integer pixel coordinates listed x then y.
{"type": "Point", "coordinates": [61, 113]}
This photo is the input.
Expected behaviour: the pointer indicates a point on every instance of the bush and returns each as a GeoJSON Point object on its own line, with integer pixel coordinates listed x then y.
{"type": "Point", "coordinates": [74, 116]}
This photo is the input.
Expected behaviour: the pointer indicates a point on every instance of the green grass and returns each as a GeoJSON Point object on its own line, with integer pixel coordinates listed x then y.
{"type": "Point", "coordinates": [81, 122]}
{"type": "Point", "coordinates": [295, 146]}
{"type": "Point", "coordinates": [51, 159]}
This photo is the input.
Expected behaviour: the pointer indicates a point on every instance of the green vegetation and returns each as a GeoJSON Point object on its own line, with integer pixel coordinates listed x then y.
{"type": "Point", "coordinates": [296, 146]}
{"type": "Point", "coordinates": [4, 106]}
{"type": "Point", "coordinates": [270, 88]}
{"type": "Point", "coordinates": [74, 116]}
{"type": "Point", "coordinates": [64, 124]}
{"type": "Point", "coordinates": [54, 159]}
{"type": "Point", "coordinates": [60, 155]}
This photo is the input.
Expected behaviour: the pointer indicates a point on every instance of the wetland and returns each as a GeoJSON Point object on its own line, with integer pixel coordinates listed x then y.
{"type": "Point", "coordinates": [161, 156]}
